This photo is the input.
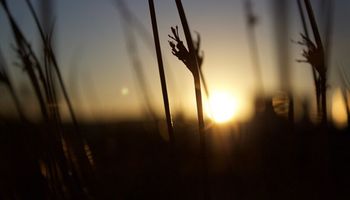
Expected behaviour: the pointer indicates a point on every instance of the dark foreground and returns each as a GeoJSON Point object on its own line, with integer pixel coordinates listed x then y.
{"type": "Point", "coordinates": [267, 158]}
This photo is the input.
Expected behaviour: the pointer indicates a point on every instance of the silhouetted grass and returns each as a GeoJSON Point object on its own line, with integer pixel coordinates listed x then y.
{"type": "Point", "coordinates": [5, 79]}
{"type": "Point", "coordinates": [29, 61]}
{"type": "Point", "coordinates": [314, 73]}
{"type": "Point", "coordinates": [252, 20]}
{"type": "Point", "coordinates": [65, 159]}
{"type": "Point", "coordinates": [267, 157]}
{"type": "Point", "coordinates": [81, 151]}
{"type": "Point", "coordinates": [161, 72]}
{"type": "Point", "coordinates": [315, 55]}
{"type": "Point", "coordinates": [191, 61]}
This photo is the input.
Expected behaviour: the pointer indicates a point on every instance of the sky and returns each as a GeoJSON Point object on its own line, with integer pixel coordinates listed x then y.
{"type": "Point", "coordinates": [90, 41]}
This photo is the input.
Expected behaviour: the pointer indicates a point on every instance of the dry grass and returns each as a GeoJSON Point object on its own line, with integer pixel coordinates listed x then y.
{"type": "Point", "coordinates": [314, 54]}
{"type": "Point", "coordinates": [5, 79]}
{"type": "Point", "coordinates": [190, 59]}
{"type": "Point", "coordinates": [66, 161]}
{"type": "Point", "coordinates": [161, 72]}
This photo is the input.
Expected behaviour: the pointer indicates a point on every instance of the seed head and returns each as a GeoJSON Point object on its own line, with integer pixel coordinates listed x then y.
{"type": "Point", "coordinates": [312, 54]}
{"type": "Point", "coordinates": [180, 51]}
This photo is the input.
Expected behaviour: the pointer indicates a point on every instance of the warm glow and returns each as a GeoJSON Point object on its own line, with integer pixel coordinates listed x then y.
{"type": "Point", "coordinates": [339, 110]}
{"type": "Point", "coordinates": [222, 107]}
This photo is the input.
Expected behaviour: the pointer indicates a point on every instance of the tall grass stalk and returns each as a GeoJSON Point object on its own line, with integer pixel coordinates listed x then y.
{"type": "Point", "coordinates": [314, 73]}
{"type": "Point", "coordinates": [253, 45]}
{"type": "Point", "coordinates": [318, 60]}
{"type": "Point", "coordinates": [52, 61]}
{"type": "Point", "coordinates": [161, 71]}
{"type": "Point", "coordinates": [145, 36]}
{"type": "Point", "coordinates": [328, 32]}
{"type": "Point", "coordinates": [205, 86]}
{"type": "Point", "coordinates": [200, 56]}
{"type": "Point", "coordinates": [59, 152]}
{"type": "Point", "coordinates": [29, 61]}
{"type": "Point", "coordinates": [197, 83]}
{"type": "Point", "coordinates": [78, 153]}
{"type": "Point", "coordinates": [51, 89]}
{"type": "Point", "coordinates": [51, 151]}
{"type": "Point", "coordinates": [5, 79]}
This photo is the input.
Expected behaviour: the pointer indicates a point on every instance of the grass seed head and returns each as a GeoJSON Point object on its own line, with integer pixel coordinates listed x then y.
{"type": "Point", "coordinates": [182, 53]}
{"type": "Point", "coordinates": [312, 54]}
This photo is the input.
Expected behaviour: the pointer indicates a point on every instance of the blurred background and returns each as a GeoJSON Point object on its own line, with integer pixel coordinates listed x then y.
{"type": "Point", "coordinates": [82, 112]}
{"type": "Point", "coordinates": [91, 44]}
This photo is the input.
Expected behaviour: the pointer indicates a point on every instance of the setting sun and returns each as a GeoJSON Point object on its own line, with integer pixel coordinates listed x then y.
{"type": "Point", "coordinates": [222, 107]}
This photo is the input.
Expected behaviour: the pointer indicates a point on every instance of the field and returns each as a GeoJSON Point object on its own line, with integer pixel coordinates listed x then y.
{"type": "Point", "coordinates": [291, 143]}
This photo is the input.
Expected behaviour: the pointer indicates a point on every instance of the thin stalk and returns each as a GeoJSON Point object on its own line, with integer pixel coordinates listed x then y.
{"type": "Point", "coordinates": [197, 84]}
{"type": "Point", "coordinates": [206, 90]}
{"type": "Point", "coordinates": [196, 68]}
{"type": "Point", "coordinates": [251, 21]}
{"type": "Point", "coordinates": [52, 59]}
{"type": "Point", "coordinates": [49, 60]}
{"type": "Point", "coordinates": [302, 17]}
{"type": "Point", "coordinates": [78, 142]}
{"type": "Point", "coordinates": [7, 81]}
{"type": "Point", "coordinates": [24, 51]}
{"type": "Point", "coordinates": [313, 23]}
{"type": "Point", "coordinates": [314, 74]}
{"type": "Point", "coordinates": [161, 71]}
{"type": "Point", "coordinates": [205, 86]}
{"type": "Point", "coordinates": [323, 69]}
{"type": "Point", "coordinates": [256, 61]}
{"type": "Point", "coordinates": [51, 93]}
{"type": "Point", "coordinates": [329, 30]}
{"type": "Point", "coordinates": [142, 32]}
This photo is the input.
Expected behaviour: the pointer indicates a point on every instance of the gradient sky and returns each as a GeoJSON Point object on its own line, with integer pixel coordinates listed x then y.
{"type": "Point", "coordinates": [91, 48]}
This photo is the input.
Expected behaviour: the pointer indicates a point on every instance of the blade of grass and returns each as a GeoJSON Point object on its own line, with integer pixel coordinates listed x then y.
{"type": "Point", "coordinates": [329, 30]}
{"type": "Point", "coordinates": [26, 55]}
{"type": "Point", "coordinates": [322, 69]}
{"type": "Point", "coordinates": [78, 142]}
{"type": "Point", "coordinates": [197, 83]}
{"type": "Point", "coordinates": [314, 74]}
{"type": "Point", "coordinates": [161, 71]}
{"type": "Point", "coordinates": [6, 80]}
{"type": "Point", "coordinates": [251, 22]}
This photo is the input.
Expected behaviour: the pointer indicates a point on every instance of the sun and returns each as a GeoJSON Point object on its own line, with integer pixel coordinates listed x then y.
{"type": "Point", "coordinates": [221, 107]}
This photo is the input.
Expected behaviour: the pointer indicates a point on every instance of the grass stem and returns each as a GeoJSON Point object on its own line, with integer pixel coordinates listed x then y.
{"type": "Point", "coordinates": [197, 83]}
{"type": "Point", "coordinates": [161, 72]}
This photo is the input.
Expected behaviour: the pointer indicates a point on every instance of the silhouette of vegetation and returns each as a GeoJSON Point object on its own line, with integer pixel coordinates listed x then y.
{"type": "Point", "coordinates": [63, 159]}
{"type": "Point", "coordinates": [191, 61]}
{"type": "Point", "coordinates": [161, 72]}
{"type": "Point", "coordinates": [315, 56]}
{"type": "Point", "coordinates": [252, 20]}
{"type": "Point", "coordinates": [272, 155]}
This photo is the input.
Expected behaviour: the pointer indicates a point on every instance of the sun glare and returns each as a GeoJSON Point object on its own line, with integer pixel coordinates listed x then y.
{"type": "Point", "coordinates": [222, 107]}
{"type": "Point", "coordinates": [339, 110]}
